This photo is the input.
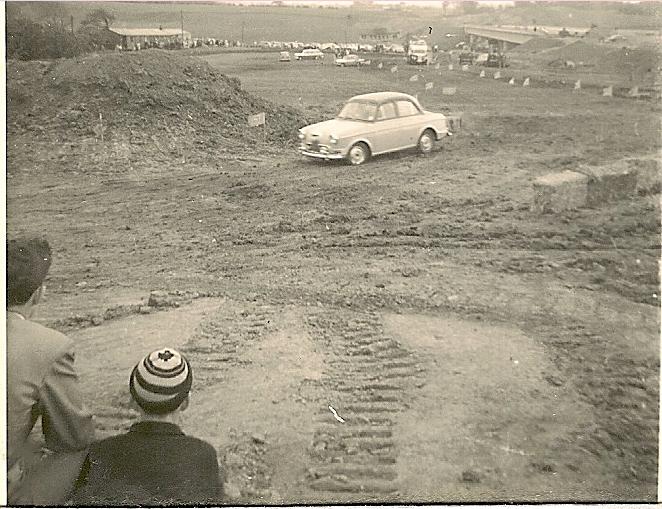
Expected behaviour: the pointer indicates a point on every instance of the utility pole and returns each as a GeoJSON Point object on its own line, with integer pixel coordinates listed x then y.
{"type": "Point", "coordinates": [72, 24]}
{"type": "Point", "coordinates": [349, 18]}
{"type": "Point", "coordinates": [243, 24]}
{"type": "Point", "coordinates": [181, 17]}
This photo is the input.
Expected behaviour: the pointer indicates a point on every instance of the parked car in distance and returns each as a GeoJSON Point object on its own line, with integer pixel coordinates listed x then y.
{"type": "Point", "coordinates": [481, 58]}
{"type": "Point", "coordinates": [373, 124]}
{"type": "Point", "coordinates": [309, 54]}
{"type": "Point", "coordinates": [350, 61]}
{"type": "Point", "coordinates": [466, 58]}
{"type": "Point", "coordinates": [285, 56]}
{"type": "Point", "coordinates": [496, 60]}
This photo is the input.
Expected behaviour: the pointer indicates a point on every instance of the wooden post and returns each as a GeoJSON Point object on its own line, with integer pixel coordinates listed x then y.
{"type": "Point", "coordinates": [181, 16]}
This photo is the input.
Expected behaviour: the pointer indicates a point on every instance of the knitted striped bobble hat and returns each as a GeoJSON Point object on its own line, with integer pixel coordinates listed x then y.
{"type": "Point", "coordinates": [161, 381]}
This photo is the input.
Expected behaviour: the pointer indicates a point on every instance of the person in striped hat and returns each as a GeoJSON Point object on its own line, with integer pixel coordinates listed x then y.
{"type": "Point", "coordinates": [155, 463]}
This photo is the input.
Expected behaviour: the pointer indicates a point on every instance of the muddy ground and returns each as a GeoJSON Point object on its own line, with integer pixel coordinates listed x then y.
{"type": "Point", "coordinates": [474, 350]}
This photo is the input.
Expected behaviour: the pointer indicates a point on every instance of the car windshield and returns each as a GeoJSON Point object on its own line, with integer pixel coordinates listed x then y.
{"type": "Point", "coordinates": [358, 110]}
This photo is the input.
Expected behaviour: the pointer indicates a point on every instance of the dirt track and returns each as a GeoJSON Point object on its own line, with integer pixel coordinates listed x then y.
{"type": "Point", "coordinates": [475, 351]}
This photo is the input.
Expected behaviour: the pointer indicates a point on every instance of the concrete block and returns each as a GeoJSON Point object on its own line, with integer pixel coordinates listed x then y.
{"type": "Point", "coordinates": [559, 191]}
{"type": "Point", "coordinates": [649, 178]}
{"type": "Point", "coordinates": [610, 183]}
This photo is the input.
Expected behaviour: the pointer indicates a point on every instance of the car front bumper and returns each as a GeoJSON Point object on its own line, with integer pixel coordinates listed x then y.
{"type": "Point", "coordinates": [321, 155]}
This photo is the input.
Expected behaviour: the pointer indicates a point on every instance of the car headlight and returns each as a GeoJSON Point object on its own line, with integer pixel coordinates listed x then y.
{"type": "Point", "coordinates": [301, 135]}
{"type": "Point", "coordinates": [333, 139]}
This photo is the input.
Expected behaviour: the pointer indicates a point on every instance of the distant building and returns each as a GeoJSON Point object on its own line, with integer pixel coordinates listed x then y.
{"type": "Point", "coordinates": [141, 38]}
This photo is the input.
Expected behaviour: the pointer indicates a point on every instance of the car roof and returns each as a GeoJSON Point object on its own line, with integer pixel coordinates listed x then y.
{"type": "Point", "coordinates": [382, 97]}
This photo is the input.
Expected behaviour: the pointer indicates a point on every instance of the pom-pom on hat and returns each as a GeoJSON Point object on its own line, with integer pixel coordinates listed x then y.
{"type": "Point", "coordinates": [161, 381]}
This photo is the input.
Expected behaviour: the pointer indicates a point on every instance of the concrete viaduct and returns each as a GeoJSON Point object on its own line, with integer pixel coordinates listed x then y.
{"type": "Point", "coordinates": [502, 38]}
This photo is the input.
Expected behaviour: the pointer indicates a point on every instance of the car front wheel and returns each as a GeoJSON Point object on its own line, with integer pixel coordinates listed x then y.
{"type": "Point", "coordinates": [426, 142]}
{"type": "Point", "coordinates": [358, 154]}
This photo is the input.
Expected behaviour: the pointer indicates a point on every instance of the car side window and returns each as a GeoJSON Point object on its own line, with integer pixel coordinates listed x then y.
{"type": "Point", "coordinates": [386, 111]}
{"type": "Point", "coordinates": [407, 108]}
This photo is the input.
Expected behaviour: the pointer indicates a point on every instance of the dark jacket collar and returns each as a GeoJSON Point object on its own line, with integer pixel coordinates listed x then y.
{"type": "Point", "coordinates": [156, 428]}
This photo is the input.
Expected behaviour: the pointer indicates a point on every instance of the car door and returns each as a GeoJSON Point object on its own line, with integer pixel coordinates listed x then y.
{"type": "Point", "coordinates": [385, 130]}
{"type": "Point", "coordinates": [410, 121]}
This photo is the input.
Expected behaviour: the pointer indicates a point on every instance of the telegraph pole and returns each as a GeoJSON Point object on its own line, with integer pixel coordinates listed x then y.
{"type": "Point", "coordinates": [181, 17]}
{"type": "Point", "coordinates": [243, 23]}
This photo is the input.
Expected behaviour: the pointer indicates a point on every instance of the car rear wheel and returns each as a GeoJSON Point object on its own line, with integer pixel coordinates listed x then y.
{"type": "Point", "coordinates": [358, 154]}
{"type": "Point", "coordinates": [426, 142]}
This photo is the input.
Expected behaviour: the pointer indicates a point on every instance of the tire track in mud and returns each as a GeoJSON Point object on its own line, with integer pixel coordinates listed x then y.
{"type": "Point", "coordinates": [219, 343]}
{"type": "Point", "coordinates": [369, 380]}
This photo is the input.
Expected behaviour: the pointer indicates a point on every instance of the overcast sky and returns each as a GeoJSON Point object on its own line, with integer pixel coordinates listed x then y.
{"type": "Point", "coordinates": [347, 3]}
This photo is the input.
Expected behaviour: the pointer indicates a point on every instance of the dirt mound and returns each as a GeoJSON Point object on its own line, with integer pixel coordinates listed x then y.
{"type": "Point", "coordinates": [643, 62]}
{"type": "Point", "coordinates": [138, 94]}
{"type": "Point", "coordinates": [638, 64]}
{"type": "Point", "coordinates": [538, 44]}
{"type": "Point", "coordinates": [579, 51]}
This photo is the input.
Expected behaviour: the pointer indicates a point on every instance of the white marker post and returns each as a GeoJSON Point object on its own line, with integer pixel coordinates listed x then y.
{"type": "Point", "coordinates": [527, 82]}
{"type": "Point", "coordinates": [608, 91]}
{"type": "Point", "coordinates": [482, 74]}
{"type": "Point", "coordinates": [578, 85]}
{"type": "Point", "coordinates": [497, 75]}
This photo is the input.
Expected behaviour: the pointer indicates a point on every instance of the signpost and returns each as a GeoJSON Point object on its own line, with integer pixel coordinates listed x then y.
{"type": "Point", "coordinates": [257, 120]}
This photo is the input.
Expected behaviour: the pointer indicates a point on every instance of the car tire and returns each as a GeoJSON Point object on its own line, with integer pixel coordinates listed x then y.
{"type": "Point", "coordinates": [358, 154]}
{"type": "Point", "coordinates": [426, 142]}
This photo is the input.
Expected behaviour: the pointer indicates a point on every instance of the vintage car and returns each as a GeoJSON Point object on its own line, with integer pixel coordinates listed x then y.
{"type": "Point", "coordinates": [349, 61]}
{"type": "Point", "coordinates": [285, 56]}
{"type": "Point", "coordinates": [372, 124]}
{"type": "Point", "coordinates": [309, 54]}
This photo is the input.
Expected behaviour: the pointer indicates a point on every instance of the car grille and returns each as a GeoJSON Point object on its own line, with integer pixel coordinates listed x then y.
{"type": "Point", "coordinates": [314, 145]}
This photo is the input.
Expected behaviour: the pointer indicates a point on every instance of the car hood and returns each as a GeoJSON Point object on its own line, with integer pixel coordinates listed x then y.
{"type": "Point", "coordinates": [338, 127]}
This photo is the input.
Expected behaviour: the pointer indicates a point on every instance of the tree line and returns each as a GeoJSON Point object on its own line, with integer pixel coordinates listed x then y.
{"type": "Point", "coordinates": [53, 35]}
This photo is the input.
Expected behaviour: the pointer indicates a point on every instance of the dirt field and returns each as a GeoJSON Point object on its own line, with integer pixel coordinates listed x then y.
{"type": "Point", "coordinates": [474, 350]}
